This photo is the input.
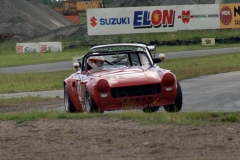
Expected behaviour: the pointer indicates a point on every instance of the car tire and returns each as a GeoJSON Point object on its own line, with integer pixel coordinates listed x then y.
{"type": "Point", "coordinates": [177, 106]}
{"type": "Point", "coordinates": [67, 102]}
{"type": "Point", "coordinates": [151, 109]}
{"type": "Point", "coordinates": [90, 105]}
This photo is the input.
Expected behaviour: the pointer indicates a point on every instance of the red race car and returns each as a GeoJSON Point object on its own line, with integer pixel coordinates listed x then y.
{"type": "Point", "coordinates": [121, 76]}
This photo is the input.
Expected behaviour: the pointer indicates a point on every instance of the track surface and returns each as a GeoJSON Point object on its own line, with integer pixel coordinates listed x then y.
{"type": "Point", "coordinates": [59, 66]}
{"type": "Point", "coordinates": [219, 92]}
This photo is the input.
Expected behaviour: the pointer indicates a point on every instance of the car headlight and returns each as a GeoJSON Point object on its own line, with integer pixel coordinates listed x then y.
{"type": "Point", "coordinates": [168, 79]}
{"type": "Point", "coordinates": [102, 85]}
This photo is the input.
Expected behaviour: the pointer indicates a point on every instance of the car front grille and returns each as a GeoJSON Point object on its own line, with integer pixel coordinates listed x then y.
{"type": "Point", "coordinates": [130, 91]}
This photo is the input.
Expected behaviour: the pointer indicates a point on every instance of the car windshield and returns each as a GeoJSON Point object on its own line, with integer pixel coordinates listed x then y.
{"type": "Point", "coordinates": [117, 60]}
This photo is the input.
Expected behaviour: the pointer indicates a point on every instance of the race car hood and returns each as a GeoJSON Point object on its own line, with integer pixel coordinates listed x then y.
{"type": "Point", "coordinates": [129, 76]}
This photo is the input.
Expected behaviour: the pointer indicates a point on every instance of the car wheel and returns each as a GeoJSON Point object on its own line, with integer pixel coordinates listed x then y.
{"type": "Point", "coordinates": [90, 105]}
{"type": "Point", "coordinates": [177, 106]}
{"type": "Point", "coordinates": [151, 109]}
{"type": "Point", "coordinates": [67, 102]}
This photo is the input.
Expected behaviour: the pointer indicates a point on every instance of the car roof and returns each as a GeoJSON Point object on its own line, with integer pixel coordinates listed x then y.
{"type": "Point", "coordinates": [119, 44]}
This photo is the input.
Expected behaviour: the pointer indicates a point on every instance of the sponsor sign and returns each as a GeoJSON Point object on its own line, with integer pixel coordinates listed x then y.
{"type": "Point", "coordinates": [19, 49]}
{"type": "Point", "coordinates": [192, 17]}
{"type": "Point", "coordinates": [26, 47]}
{"type": "Point", "coordinates": [131, 20]}
{"type": "Point", "coordinates": [229, 15]}
{"type": "Point", "coordinates": [154, 18]}
{"type": "Point", "coordinates": [39, 47]}
{"type": "Point", "coordinates": [50, 47]}
{"type": "Point", "coordinates": [43, 48]}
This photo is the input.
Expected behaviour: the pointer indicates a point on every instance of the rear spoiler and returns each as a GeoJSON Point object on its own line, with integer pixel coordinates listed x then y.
{"type": "Point", "coordinates": [152, 50]}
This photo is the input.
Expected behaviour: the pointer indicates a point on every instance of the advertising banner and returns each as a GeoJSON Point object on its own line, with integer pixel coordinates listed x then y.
{"type": "Point", "coordinates": [152, 19]}
{"type": "Point", "coordinates": [129, 20]}
{"type": "Point", "coordinates": [39, 47]}
{"type": "Point", "coordinates": [50, 47]}
{"type": "Point", "coordinates": [26, 47]}
{"type": "Point", "coordinates": [229, 15]}
{"type": "Point", "coordinates": [194, 17]}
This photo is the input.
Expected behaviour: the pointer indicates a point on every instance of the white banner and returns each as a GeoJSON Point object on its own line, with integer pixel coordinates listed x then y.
{"type": "Point", "coordinates": [26, 47]}
{"type": "Point", "coordinates": [39, 47]}
{"type": "Point", "coordinates": [50, 47]}
{"type": "Point", "coordinates": [105, 21]}
{"type": "Point", "coordinates": [130, 20]}
{"type": "Point", "coordinates": [193, 17]}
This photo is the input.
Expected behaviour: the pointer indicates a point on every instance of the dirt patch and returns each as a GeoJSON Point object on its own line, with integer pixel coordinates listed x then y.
{"type": "Point", "coordinates": [41, 105]}
{"type": "Point", "coordinates": [112, 138]}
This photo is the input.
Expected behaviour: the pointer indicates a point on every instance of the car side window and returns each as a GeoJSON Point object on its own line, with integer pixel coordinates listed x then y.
{"type": "Point", "coordinates": [135, 59]}
{"type": "Point", "coordinates": [144, 59]}
{"type": "Point", "coordinates": [140, 59]}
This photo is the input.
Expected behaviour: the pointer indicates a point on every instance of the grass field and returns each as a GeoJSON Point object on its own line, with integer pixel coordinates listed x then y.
{"type": "Point", "coordinates": [184, 68]}
{"type": "Point", "coordinates": [193, 118]}
{"type": "Point", "coordinates": [9, 57]}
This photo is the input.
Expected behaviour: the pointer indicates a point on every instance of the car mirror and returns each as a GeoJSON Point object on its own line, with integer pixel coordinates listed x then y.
{"type": "Point", "coordinates": [160, 58]}
{"type": "Point", "coordinates": [77, 65]}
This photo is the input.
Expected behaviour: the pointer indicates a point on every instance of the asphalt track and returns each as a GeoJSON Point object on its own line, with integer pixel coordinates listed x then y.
{"type": "Point", "coordinates": [59, 66]}
{"type": "Point", "coordinates": [220, 92]}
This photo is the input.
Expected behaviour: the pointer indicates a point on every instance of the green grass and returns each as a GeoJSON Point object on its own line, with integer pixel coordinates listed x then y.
{"type": "Point", "coordinates": [9, 57]}
{"type": "Point", "coordinates": [194, 118]}
{"type": "Point", "coordinates": [21, 117]}
{"type": "Point", "coordinates": [195, 35]}
{"type": "Point", "coordinates": [164, 49]}
{"type": "Point", "coordinates": [24, 100]}
{"type": "Point", "coordinates": [186, 68]}
{"type": "Point", "coordinates": [183, 68]}
{"type": "Point", "coordinates": [183, 118]}
{"type": "Point", "coordinates": [188, 35]}
{"type": "Point", "coordinates": [29, 82]}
